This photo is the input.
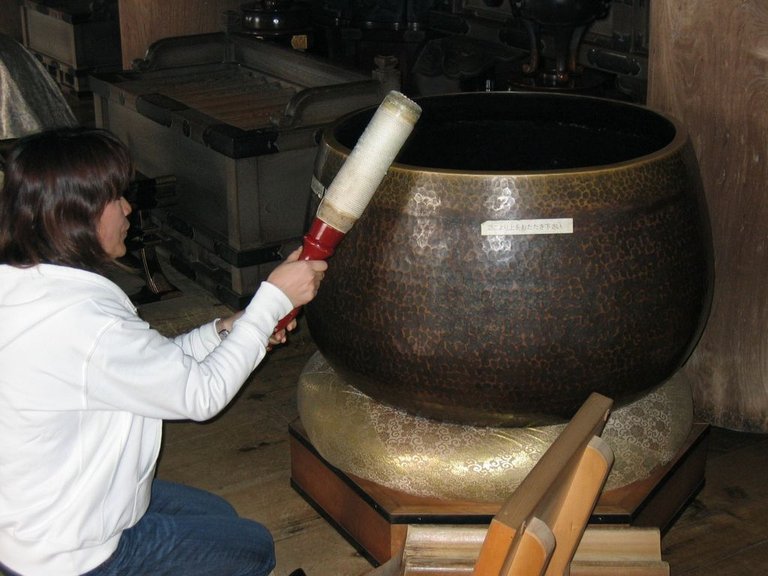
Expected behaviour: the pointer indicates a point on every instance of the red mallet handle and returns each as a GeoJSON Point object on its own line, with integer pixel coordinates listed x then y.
{"type": "Point", "coordinates": [319, 244]}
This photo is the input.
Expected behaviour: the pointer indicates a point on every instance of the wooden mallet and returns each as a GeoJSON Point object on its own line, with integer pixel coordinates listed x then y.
{"type": "Point", "coordinates": [357, 180]}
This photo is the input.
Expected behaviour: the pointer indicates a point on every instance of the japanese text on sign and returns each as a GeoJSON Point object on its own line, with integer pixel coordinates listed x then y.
{"type": "Point", "coordinates": [521, 227]}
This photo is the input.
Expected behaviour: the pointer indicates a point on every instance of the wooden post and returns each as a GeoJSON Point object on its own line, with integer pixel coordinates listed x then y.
{"type": "Point", "coordinates": [707, 67]}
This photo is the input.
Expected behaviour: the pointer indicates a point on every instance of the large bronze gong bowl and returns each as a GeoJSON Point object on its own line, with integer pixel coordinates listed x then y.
{"type": "Point", "coordinates": [524, 250]}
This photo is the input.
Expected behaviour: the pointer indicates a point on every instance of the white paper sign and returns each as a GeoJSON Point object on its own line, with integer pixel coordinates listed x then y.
{"type": "Point", "coordinates": [524, 227]}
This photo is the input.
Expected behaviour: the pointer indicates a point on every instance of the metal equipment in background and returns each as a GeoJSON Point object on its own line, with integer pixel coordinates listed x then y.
{"type": "Point", "coordinates": [73, 38]}
{"type": "Point", "coordinates": [236, 120]}
{"type": "Point", "coordinates": [236, 116]}
{"type": "Point", "coordinates": [597, 47]}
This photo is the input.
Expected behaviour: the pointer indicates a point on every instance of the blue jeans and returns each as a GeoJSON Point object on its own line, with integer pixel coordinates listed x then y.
{"type": "Point", "coordinates": [190, 532]}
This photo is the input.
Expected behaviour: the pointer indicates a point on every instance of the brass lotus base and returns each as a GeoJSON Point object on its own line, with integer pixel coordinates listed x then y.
{"type": "Point", "coordinates": [368, 439]}
{"type": "Point", "coordinates": [374, 518]}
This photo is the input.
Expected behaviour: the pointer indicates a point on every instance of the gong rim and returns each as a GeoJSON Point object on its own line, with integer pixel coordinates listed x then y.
{"type": "Point", "coordinates": [676, 136]}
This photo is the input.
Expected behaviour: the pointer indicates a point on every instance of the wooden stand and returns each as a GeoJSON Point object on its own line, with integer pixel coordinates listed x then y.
{"type": "Point", "coordinates": [374, 518]}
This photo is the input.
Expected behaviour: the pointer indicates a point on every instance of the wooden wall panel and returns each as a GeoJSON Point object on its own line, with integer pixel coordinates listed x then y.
{"type": "Point", "coordinates": [709, 68]}
{"type": "Point", "coordinates": [144, 21]}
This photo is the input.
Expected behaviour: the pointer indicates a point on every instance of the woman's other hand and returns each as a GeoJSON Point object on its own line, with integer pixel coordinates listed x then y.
{"type": "Point", "coordinates": [281, 336]}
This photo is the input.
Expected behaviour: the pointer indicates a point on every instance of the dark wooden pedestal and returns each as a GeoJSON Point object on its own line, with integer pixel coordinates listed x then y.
{"type": "Point", "coordinates": [374, 518]}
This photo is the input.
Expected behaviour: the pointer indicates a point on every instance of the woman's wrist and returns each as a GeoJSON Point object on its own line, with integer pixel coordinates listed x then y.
{"type": "Point", "coordinates": [224, 325]}
{"type": "Point", "coordinates": [222, 329]}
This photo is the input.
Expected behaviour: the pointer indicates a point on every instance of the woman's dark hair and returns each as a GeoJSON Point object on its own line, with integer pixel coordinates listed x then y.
{"type": "Point", "coordinates": [56, 186]}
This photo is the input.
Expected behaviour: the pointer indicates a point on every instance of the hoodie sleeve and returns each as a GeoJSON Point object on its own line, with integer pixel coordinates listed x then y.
{"type": "Point", "coordinates": [134, 368]}
{"type": "Point", "coordinates": [199, 342]}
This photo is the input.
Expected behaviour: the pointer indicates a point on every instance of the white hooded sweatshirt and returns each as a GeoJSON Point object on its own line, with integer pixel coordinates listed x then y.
{"type": "Point", "coordinates": [84, 387]}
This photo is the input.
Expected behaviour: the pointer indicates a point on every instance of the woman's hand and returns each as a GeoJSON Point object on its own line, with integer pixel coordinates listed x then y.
{"type": "Point", "coordinates": [298, 279]}
{"type": "Point", "coordinates": [281, 336]}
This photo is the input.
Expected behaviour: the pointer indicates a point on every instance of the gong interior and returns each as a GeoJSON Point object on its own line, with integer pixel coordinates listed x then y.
{"type": "Point", "coordinates": [495, 132]}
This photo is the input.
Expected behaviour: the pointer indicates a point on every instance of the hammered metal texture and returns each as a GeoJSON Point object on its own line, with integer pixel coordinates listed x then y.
{"type": "Point", "coordinates": [420, 311]}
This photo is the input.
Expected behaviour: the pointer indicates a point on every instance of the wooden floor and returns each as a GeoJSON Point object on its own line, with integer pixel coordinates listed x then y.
{"type": "Point", "coordinates": [243, 455]}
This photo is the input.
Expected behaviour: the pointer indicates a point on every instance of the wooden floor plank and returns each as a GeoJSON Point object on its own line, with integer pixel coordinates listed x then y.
{"type": "Point", "coordinates": [726, 524]}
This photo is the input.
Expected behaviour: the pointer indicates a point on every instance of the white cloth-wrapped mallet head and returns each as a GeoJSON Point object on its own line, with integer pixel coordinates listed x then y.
{"type": "Point", "coordinates": [367, 164]}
